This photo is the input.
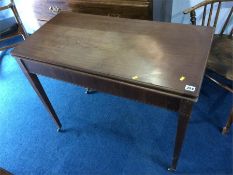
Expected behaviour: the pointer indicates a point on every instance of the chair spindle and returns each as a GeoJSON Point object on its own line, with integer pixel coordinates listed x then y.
{"type": "Point", "coordinates": [217, 14]}
{"type": "Point", "coordinates": [226, 22]}
{"type": "Point", "coordinates": [210, 14]}
{"type": "Point", "coordinates": [17, 17]}
{"type": "Point", "coordinates": [193, 17]}
{"type": "Point", "coordinates": [203, 17]}
{"type": "Point", "coordinates": [231, 33]}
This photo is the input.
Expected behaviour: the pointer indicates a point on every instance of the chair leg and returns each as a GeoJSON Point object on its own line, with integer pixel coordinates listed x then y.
{"type": "Point", "coordinates": [229, 123]}
{"type": "Point", "coordinates": [19, 21]}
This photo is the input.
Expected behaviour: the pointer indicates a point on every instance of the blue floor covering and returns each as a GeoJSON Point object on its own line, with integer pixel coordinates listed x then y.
{"type": "Point", "coordinates": [105, 134]}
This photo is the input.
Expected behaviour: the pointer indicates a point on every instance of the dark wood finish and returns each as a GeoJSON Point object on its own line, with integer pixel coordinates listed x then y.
{"type": "Point", "coordinates": [34, 81]}
{"type": "Point", "coordinates": [227, 22]}
{"type": "Point", "coordinates": [210, 14]}
{"type": "Point", "coordinates": [193, 17]}
{"type": "Point", "coordinates": [44, 10]}
{"type": "Point", "coordinates": [229, 123]}
{"type": "Point", "coordinates": [4, 172]}
{"type": "Point", "coordinates": [136, 9]}
{"type": "Point", "coordinates": [231, 33]}
{"type": "Point", "coordinates": [220, 84]}
{"type": "Point", "coordinates": [220, 59]}
{"type": "Point", "coordinates": [203, 17]}
{"type": "Point", "coordinates": [7, 47]}
{"type": "Point", "coordinates": [109, 85]}
{"type": "Point", "coordinates": [128, 58]}
{"type": "Point", "coordinates": [135, 47]}
{"type": "Point", "coordinates": [204, 4]}
{"type": "Point", "coordinates": [185, 110]}
{"type": "Point", "coordinates": [217, 14]}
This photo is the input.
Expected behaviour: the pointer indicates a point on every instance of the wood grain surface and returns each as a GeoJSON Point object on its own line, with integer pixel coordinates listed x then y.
{"type": "Point", "coordinates": [136, 9]}
{"type": "Point", "coordinates": [162, 56]}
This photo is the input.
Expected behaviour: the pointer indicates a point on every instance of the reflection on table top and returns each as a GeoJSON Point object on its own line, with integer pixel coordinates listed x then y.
{"type": "Point", "coordinates": [164, 56]}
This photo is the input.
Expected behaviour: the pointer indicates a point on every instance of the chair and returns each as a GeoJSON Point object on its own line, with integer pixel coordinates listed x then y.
{"type": "Point", "coordinates": [11, 27]}
{"type": "Point", "coordinates": [220, 59]}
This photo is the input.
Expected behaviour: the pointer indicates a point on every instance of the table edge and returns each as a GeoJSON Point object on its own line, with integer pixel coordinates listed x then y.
{"type": "Point", "coordinates": [156, 88]}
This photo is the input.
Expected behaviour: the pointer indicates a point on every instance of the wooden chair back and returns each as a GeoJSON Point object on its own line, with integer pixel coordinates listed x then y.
{"type": "Point", "coordinates": [211, 14]}
{"type": "Point", "coordinates": [21, 29]}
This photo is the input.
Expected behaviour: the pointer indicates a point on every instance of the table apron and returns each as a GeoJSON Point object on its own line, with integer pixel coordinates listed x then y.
{"type": "Point", "coordinates": [115, 87]}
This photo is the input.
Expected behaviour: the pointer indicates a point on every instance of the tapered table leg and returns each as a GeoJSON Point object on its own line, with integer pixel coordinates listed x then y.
{"type": "Point", "coordinates": [229, 123]}
{"type": "Point", "coordinates": [34, 81]}
{"type": "Point", "coordinates": [90, 91]}
{"type": "Point", "coordinates": [185, 110]}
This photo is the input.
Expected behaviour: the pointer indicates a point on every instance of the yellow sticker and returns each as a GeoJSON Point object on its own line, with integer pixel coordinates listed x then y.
{"type": "Point", "coordinates": [135, 77]}
{"type": "Point", "coordinates": [182, 78]}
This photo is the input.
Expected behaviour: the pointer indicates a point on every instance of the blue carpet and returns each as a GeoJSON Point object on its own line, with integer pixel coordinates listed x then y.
{"type": "Point", "coordinates": [104, 134]}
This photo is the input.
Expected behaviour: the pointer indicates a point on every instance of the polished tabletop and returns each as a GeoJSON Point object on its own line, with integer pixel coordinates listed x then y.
{"type": "Point", "coordinates": [166, 57]}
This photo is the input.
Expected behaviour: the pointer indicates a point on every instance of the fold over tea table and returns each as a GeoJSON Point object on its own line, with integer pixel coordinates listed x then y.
{"type": "Point", "coordinates": [156, 63]}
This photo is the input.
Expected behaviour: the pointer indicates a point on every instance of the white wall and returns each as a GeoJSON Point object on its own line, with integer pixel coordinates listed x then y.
{"type": "Point", "coordinates": [25, 8]}
{"type": "Point", "coordinates": [180, 5]}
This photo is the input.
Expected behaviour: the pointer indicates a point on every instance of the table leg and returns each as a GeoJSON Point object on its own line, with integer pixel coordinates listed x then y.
{"type": "Point", "coordinates": [90, 91]}
{"type": "Point", "coordinates": [185, 110]}
{"type": "Point", "coordinates": [229, 123]}
{"type": "Point", "coordinates": [34, 81]}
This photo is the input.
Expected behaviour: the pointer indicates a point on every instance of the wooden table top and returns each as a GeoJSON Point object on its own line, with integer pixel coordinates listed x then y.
{"type": "Point", "coordinates": [166, 57]}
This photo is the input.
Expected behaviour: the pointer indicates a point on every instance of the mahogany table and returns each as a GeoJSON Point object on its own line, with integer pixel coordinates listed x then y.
{"type": "Point", "coordinates": [157, 63]}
